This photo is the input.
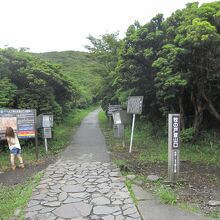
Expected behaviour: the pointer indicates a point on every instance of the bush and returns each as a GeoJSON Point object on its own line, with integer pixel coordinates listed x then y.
{"type": "Point", "coordinates": [187, 135]}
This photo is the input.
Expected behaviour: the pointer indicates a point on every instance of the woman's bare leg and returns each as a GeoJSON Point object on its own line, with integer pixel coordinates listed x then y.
{"type": "Point", "coordinates": [21, 161]}
{"type": "Point", "coordinates": [12, 159]}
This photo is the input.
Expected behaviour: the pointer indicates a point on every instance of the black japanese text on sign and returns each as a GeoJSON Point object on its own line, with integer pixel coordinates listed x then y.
{"type": "Point", "coordinates": [135, 104]}
{"type": "Point", "coordinates": [175, 132]}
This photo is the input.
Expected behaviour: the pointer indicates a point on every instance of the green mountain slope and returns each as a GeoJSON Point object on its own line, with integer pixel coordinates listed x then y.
{"type": "Point", "coordinates": [81, 69]}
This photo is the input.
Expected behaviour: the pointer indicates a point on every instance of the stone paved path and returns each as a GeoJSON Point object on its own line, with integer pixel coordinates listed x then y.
{"type": "Point", "coordinates": [83, 184]}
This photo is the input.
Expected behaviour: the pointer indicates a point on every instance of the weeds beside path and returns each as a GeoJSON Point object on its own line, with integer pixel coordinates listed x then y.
{"type": "Point", "coordinates": [199, 166]}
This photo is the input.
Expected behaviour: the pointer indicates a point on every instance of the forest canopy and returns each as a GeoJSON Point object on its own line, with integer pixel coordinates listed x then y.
{"type": "Point", "coordinates": [28, 82]}
{"type": "Point", "coordinates": [174, 63]}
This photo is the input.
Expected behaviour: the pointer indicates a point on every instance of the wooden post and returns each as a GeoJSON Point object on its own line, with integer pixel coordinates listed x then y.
{"type": "Point", "coordinates": [173, 147]}
{"type": "Point", "coordinates": [36, 138]}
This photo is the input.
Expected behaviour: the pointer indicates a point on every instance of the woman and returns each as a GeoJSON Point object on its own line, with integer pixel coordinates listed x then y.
{"type": "Point", "coordinates": [14, 147]}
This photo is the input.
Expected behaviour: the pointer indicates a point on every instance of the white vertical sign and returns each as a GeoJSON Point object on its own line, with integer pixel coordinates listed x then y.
{"type": "Point", "coordinates": [173, 146]}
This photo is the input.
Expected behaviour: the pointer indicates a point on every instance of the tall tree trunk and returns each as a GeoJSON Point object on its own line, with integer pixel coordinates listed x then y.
{"type": "Point", "coordinates": [182, 114]}
{"type": "Point", "coordinates": [198, 118]}
{"type": "Point", "coordinates": [212, 110]}
{"type": "Point", "coordinates": [199, 109]}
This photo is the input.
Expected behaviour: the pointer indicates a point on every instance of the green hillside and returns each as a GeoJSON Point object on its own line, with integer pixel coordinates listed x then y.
{"type": "Point", "coordinates": [81, 69]}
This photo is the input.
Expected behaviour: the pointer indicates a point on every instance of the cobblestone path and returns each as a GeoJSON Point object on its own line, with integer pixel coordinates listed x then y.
{"type": "Point", "coordinates": [82, 188]}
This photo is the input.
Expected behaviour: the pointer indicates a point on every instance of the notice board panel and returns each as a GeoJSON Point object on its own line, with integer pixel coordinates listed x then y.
{"type": "Point", "coordinates": [23, 121]}
{"type": "Point", "coordinates": [135, 104]}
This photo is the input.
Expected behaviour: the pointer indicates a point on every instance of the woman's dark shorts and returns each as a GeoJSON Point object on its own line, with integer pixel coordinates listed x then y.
{"type": "Point", "coordinates": [15, 151]}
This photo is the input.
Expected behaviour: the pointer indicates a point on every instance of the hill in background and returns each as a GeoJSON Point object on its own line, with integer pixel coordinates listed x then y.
{"type": "Point", "coordinates": [81, 69]}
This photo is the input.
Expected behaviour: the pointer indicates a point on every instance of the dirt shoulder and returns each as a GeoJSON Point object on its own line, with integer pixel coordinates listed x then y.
{"type": "Point", "coordinates": [200, 182]}
{"type": "Point", "coordinates": [19, 176]}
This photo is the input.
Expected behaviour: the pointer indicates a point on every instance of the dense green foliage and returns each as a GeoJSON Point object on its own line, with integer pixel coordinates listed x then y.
{"type": "Point", "coordinates": [82, 70]}
{"type": "Point", "coordinates": [105, 51]}
{"type": "Point", "coordinates": [29, 82]}
{"type": "Point", "coordinates": [150, 143]}
{"type": "Point", "coordinates": [174, 63]}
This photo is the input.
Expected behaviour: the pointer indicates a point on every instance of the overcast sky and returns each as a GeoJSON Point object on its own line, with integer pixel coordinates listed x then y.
{"type": "Point", "coordinates": [58, 25]}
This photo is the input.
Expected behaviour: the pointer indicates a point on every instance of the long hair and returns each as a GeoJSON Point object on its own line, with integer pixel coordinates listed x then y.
{"type": "Point", "coordinates": [10, 132]}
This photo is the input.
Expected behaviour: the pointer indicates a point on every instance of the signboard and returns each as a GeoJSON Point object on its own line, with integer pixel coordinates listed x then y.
{"type": "Point", "coordinates": [116, 117]}
{"type": "Point", "coordinates": [44, 121]}
{"type": "Point", "coordinates": [135, 104]}
{"type": "Point", "coordinates": [113, 108]}
{"type": "Point", "coordinates": [118, 130]}
{"type": "Point", "coordinates": [173, 146]}
{"type": "Point", "coordinates": [21, 120]}
{"type": "Point", "coordinates": [47, 133]}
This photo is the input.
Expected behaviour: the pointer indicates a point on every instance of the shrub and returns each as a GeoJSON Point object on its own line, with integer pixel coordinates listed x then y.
{"type": "Point", "coordinates": [187, 135]}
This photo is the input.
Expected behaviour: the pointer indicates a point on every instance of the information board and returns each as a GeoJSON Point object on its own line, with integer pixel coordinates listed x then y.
{"type": "Point", "coordinates": [21, 120]}
{"type": "Point", "coordinates": [44, 121]}
{"type": "Point", "coordinates": [135, 104]}
{"type": "Point", "coordinates": [47, 133]}
{"type": "Point", "coordinates": [113, 108]}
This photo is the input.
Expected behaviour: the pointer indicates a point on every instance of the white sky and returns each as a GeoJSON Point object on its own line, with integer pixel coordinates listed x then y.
{"type": "Point", "coordinates": [58, 25]}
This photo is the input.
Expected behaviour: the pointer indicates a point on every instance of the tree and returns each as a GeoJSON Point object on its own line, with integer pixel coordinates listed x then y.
{"type": "Point", "coordinates": [106, 51]}
{"type": "Point", "coordinates": [8, 93]}
{"type": "Point", "coordinates": [139, 51]}
{"type": "Point", "coordinates": [29, 82]}
{"type": "Point", "coordinates": [201, 55]}
{"type": "Point", "coordinates": [169, 81]}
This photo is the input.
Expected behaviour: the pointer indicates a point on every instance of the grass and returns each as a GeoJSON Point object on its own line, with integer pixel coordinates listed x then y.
{"type": "Point", "coordinates": [188, 207]}
{"type": "Point", "coordinates": [214, 214]}
{"type": "Point", "coordinates": [129, 186]}
{"type": "Point", "coordinates": [106, 129]}
{"type": "Point", "coordinates": [166, 195]}
{"type": "Point", "coordinates": [60, 139]}
{"type": "Point", "coordinates": [120, 163]}
{"type": "Point", "coordinates": [28, 155]}
{"type": "Point", "coordinates": [16, 197]}
{"type": "Point", "coordinates": [151, 144]}
{"type": "Point", "coordinates": [202, 152]}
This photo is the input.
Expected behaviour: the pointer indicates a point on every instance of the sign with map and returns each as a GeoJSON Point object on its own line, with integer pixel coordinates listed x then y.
{"type": "Point", "coordinates": [23, 121]}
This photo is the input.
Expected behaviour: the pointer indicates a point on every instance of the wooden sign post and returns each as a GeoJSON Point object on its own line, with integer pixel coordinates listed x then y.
{"type": "Point", "coordinates": [173, 147]}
